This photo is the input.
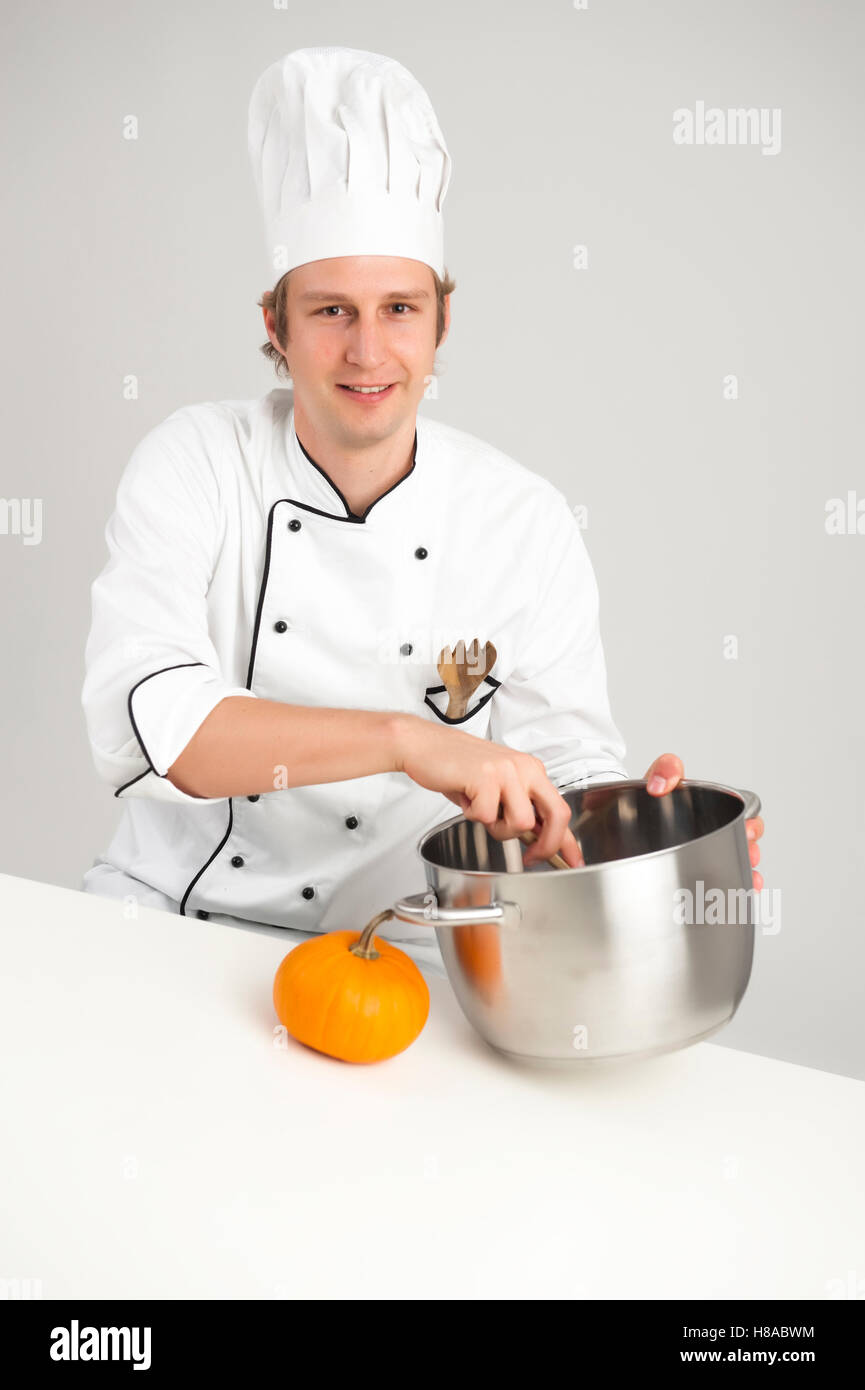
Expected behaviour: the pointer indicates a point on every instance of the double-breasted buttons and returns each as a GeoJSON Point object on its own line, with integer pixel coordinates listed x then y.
{"type": "Point", "coordinates": [421, 553]}
{"type": "Point", "coordinates": [237, 861]}
{"type": "Point", "coordinates": [352, 822]}
{"type": "Point", "coordinates": [406, 649]}
{"type": "Point", "coordinates": [294, 524]}
{"type": "Point", "coordinates": [254, 797]}
{"type": "Point", "coordinates": [281, 626]}
{"type": "Point", "coordinates": [307, 893]}
{"type": "Point", "coordinates": [202, 914]}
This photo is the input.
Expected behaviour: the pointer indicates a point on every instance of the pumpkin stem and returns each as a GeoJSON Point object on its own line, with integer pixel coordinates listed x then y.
{"type": "Point", "coordinates": [363, 947]}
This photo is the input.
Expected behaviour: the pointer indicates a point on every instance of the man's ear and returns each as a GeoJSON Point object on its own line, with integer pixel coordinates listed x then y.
{"type": "Point", "coordinates": [270, 326]}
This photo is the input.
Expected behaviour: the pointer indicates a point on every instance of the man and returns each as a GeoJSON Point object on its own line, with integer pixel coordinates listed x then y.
{"type": "Point", "coordinates": [263, 686]}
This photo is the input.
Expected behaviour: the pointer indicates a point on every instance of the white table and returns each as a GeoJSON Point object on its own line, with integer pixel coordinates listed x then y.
{"type": "Point", "coordinates": [157, 1143]}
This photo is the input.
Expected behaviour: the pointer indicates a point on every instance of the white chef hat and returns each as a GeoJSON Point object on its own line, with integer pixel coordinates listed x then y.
{"type": "Point", "coordinates": [348, 159]}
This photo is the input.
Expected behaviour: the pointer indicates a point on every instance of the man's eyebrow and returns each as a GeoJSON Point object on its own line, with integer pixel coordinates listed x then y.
{"type": "Point", "coordinates": [335, 298]}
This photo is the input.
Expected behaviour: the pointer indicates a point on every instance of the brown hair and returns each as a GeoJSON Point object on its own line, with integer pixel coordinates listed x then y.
{"type": "Point", "coordinates": [277, 300]}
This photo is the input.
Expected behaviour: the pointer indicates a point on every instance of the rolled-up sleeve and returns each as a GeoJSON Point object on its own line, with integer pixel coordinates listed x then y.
{"type": "Point", "coordinates": [152, 673]}
{"type": "Point", "coordinates": [554, 702]}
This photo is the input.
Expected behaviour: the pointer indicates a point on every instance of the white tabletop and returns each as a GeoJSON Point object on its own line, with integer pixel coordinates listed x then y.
{"type": "Point", "coordinates": [159, 1142]}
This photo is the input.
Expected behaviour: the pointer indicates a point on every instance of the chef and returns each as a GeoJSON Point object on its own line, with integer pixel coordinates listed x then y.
{"type": "Point", "coordinates": [262, 686]}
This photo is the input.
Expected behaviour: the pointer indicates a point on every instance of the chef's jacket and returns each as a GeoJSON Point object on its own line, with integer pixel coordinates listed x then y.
{"type": "Point", "coordinates": [237, 568]}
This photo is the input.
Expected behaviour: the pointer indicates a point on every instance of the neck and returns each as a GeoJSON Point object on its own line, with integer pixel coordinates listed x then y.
{"type": "Point", "coordinates": [362, 472]}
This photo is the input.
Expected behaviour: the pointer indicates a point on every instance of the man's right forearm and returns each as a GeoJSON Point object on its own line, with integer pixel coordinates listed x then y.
{"type": "Point", "coordinates": [249, 746]}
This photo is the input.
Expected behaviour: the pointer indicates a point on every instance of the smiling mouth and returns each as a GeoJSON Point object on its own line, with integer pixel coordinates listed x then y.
{"type": "Point", "coordinates": [378, 390]}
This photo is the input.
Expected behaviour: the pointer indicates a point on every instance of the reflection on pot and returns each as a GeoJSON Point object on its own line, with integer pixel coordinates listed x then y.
{"type": "Point", "coordinates": [477, 945]}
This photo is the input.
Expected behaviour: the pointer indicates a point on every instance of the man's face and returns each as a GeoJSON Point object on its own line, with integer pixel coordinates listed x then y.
{"type": "Point", "coordinates": [360, 321]}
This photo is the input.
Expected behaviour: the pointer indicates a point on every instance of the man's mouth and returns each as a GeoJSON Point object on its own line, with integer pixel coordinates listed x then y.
{"type": "Point", "coordinates": [372, 392]}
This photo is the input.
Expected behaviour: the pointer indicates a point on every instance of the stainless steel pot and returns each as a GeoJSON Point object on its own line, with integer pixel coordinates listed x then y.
{"type": "Point", "coordinates": [604, 961]}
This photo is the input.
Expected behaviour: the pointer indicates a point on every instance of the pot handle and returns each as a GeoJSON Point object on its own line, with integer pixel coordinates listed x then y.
{"type": "Point", "coordinates": [752, 803]}
{"type": "Point", "coordinates": [422, 909]}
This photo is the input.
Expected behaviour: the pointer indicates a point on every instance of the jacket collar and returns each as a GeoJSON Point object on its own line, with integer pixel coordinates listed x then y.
{"type": "Point", "coordinates": [313, 488]}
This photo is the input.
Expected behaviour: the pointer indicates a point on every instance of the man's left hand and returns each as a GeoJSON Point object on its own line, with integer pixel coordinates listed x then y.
{"type": "Point", "coordinates": [667, 771]}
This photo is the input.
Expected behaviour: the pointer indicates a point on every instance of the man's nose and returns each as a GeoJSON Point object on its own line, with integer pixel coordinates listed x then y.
{"type": "Point", "coordinates": [365, 344]}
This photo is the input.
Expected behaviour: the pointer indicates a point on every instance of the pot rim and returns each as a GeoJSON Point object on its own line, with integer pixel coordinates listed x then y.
{"type": "Point", "coordinates": [607, 864]}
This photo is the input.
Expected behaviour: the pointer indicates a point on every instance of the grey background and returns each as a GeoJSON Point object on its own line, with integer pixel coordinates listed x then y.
{"type": "Point", "coordinates": [706, 517]}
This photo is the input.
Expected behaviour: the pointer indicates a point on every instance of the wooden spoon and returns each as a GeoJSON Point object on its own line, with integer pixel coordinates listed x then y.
{"type": "Point", "coordinates": [528, 837]}
{"type": "Point", "coordinates": [462, 669]}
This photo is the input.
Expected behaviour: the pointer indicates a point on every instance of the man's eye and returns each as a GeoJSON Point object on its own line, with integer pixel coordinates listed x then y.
{"type": "Point", "coordinates": [337, 308]}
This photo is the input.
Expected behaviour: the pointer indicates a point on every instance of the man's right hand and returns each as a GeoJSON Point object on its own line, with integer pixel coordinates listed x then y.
{"type": "Point", "coordinates": [507, 791]}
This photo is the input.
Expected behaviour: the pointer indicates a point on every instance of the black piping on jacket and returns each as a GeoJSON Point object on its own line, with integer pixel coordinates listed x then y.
{"type": "Point", "coordinates": [150, 768]}
{"type": "Point", "coordinates": [349, 514]}
{"type": "Point", "coordinates": [208, 862]}
{"type": "Point", "coordinates": [437, 690]}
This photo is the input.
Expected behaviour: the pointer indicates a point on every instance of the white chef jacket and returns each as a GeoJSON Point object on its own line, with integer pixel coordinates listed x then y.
{"type": "Point", "coordinates": [237, 568]}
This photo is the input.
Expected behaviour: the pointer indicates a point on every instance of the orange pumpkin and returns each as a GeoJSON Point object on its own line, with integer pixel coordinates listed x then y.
{"type": "Point", "coordinates": [351, 995]}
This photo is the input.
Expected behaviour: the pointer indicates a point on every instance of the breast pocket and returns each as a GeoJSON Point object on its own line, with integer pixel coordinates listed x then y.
{"type": "Point", "coordinates": [437, 698]}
